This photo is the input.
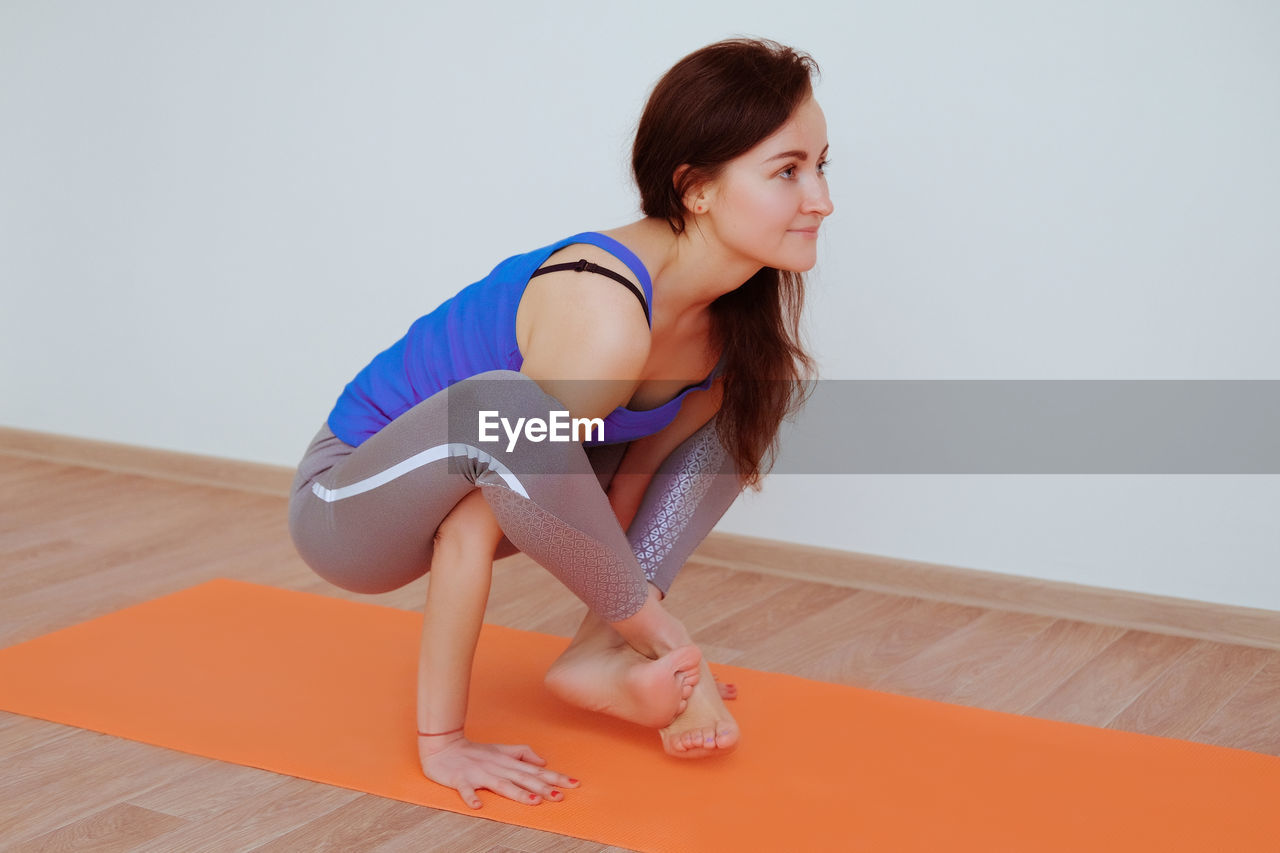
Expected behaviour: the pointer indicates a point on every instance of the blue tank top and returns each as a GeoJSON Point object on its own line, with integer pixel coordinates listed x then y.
{"type": "Point", "coordinates": [473, 332]}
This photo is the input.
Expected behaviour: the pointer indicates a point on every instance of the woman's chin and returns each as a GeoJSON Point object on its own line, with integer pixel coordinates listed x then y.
{"type": "Point", "coordinates": [798, 264]}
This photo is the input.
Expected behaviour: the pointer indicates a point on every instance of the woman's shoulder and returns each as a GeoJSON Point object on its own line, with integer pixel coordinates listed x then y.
{"type": "Point", "coordinates": [613, 287]}
{"type": "Point", "coordinates": [603, 251]}
{"type": "Point", "coordinates": [581, 321]}
{"type": "Point", "coordinates": [585, 307]}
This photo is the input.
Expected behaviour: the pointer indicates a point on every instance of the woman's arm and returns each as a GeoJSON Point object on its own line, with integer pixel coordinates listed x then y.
{"type": "Point", "coordinates": [584, 340]}
{"type": "Point", "coordinates": [461, 570]}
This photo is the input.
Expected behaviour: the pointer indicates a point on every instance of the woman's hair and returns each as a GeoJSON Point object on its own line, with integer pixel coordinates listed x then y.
{"type": "Point", "coordinates": [713, 106]}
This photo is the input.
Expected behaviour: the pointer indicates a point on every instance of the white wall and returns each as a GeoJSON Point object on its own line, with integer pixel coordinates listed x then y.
{"type": "Point", "coordinates": [212, 214]}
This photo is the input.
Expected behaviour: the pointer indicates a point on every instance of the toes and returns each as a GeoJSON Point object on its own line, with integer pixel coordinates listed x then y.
{"type": "Point", "coordinates": [704, 740]}
{"type": "Point", "coordinates": [708, 738]}
{"type": "Point", "coordinates": [685, 660]}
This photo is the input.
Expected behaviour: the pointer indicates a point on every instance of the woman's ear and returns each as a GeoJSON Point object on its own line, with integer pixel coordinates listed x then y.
{"type": "Point", "coordinates": [696, 195]}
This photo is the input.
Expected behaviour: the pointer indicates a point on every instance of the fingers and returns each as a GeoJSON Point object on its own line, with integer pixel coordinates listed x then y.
{"type": "Point", "coordinates": [469, 795]}
{"type": "Point", "coordinates": [558, 780]}
{"type": "Point", "coordinates": [523, 753]}
{"type": "Point", "coordinates": [536, 783]}
{"type": "Point", "coordinates": [514, 772]}
{"type": "Point", "coordinates": [540, 780]}
{"type": "Point", "coordinates": [522, 787]}
{"type": "Point", "coordinates": [513, 791]}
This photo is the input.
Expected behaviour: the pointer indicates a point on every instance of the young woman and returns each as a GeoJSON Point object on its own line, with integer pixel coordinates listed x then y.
{"type": "Point", "coordinates": [679, 332]}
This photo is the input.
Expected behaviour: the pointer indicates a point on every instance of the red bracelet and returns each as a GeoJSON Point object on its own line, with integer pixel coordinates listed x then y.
{"type": "Point", "coordinates": [437, 734]}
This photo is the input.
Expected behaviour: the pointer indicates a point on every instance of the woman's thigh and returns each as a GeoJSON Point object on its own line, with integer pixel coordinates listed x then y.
{"type": "Point", "coordinates": [365, 518]}
{"type": "Point", "coordinates": [367, 521]}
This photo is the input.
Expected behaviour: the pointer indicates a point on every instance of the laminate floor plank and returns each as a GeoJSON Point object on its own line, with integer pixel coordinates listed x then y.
{"type": "Point", "coordinates": [356, 826]}
{"type": "Point", "coordinates": [207, 790]}
{"type": "Point", "coordinates": [1098, 691]}
{"type": "Point", "coordinates": [870, 635]}
{"type": "Point", "coordinates": [290, 804]}
{"type": "Point", "coordinates": [961, 656]}
{"type": "Point", "coordinates": [1016, 682]}
{"type": "Point", "coordinates": [757, 606]}
{"type": "Point", "coordinates": [115, 829]}
{"type": "Point", "coordinates": [1250, 719]}
{"type": "Point", "coordinates": [19, 734]}
{"type": "Point", "coordinates": [76, 777]}
{"type": "Point", "coordinates": [1191, 691]}
{"type": "Point", "coordinates": [800, 648]}
{"type": "Point", "coordinates": [452, 832]}
{"type": "Point", "coordinates": [720, 606]}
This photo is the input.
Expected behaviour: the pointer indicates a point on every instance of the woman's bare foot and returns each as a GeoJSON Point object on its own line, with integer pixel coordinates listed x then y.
{"type": "Point", "coordinates": [621, 682]}
{"type": "Point", "coordinates": [705, 727]}
{"type": "Point", "coordinates": [599, 671]}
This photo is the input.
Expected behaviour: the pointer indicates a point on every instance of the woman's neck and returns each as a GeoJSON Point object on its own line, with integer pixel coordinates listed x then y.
{"type": "Point", "coordinates": [689, 270]}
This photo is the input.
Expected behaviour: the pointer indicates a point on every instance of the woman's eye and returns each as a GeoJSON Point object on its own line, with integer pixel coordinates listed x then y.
{"type": "Point", "coordinates": [790, 171]}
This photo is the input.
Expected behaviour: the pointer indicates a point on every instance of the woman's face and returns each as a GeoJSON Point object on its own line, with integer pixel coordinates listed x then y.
{"type": "Point", "coordinates": [768, 204]}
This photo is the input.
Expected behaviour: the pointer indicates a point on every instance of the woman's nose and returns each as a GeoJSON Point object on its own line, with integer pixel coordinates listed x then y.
{"type": "Point", "coordinates": [819, 200]}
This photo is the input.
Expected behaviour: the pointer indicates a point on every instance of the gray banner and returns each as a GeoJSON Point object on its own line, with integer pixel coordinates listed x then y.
{"type": "Point", "coordinates": [977, 427]}
{"type": "Point", "coordinates": [1035, 427]}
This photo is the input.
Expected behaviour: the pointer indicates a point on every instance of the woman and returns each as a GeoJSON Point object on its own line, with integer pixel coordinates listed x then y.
{"type": "Point", "coordinates": [678, 333]}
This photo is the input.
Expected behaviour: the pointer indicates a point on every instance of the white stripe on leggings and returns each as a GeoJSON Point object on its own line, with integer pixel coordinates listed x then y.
{"type": "Point", "coordinates": [426, 457]}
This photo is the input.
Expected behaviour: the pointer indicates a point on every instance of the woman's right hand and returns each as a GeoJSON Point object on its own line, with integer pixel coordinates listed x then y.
{"type": "Point", "coordinates": [652, 630]}
{"type": "Point", "coordinates": [514, 772]}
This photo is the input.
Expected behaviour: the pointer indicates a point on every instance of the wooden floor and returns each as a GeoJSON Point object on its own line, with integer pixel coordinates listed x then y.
{"type": "Point", "coordinates": [76, 543]}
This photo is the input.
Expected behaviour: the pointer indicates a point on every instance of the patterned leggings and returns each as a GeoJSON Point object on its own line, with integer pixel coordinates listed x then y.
{"type": "Point", "coordinates": [364, 518]}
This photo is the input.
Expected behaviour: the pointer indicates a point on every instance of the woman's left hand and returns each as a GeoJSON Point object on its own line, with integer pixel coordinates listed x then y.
{"type": "Point", "coordinates": [515, 772]}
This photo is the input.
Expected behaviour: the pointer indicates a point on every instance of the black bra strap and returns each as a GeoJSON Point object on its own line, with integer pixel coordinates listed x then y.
{"type": "Point", "coordinates": [586, 266]}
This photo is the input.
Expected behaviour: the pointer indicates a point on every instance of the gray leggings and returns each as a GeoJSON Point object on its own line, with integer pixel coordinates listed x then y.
{"type": "Point", "coordinates": [364, 518]}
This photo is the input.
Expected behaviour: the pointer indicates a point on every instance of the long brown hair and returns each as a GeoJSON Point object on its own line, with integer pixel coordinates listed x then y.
{"type": "Point", "coordinates": [712, 106]}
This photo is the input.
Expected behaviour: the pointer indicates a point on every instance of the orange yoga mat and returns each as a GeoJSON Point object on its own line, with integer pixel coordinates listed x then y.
{"type": "Point", "coordinates": [323, 689]}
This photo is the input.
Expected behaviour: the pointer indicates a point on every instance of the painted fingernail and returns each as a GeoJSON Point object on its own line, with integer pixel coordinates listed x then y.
{"type": "Point", "coordinates": [573, 781]}
{"type": "Point", "coordinates": [556, 794]}
{"type": "Point", "coordinates": [533, 796]}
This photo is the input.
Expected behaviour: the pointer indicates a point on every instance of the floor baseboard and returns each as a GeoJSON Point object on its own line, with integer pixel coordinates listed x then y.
{"type": "Point", "coordinates": [130, 459]}
{"type": "Point", "coordinates": [1140, 611]}
{"type": "Point", "coordinates": [1160, 614]}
